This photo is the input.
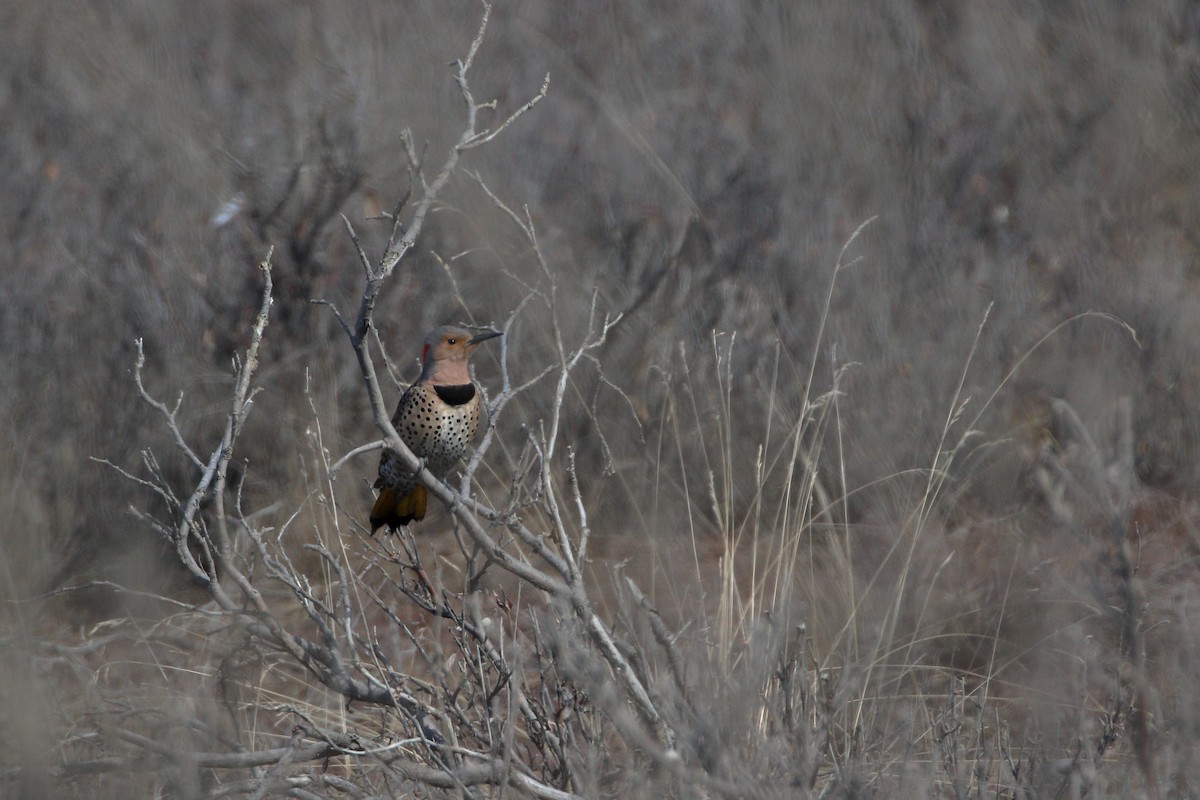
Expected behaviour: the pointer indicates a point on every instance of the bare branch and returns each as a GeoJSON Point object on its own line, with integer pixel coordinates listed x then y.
{"type": "Point", "coordinates": [369, 447]}
{"type": "Point", "coordinates": [168, 413]}
{"type": "Point", "coordinates": [487, 136]}
{"type": "Point", "coordinates": [358, 248]}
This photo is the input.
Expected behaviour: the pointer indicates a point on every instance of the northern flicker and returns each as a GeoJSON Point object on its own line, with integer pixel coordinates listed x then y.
{"type": "Point", "coordinates": [436, 417]}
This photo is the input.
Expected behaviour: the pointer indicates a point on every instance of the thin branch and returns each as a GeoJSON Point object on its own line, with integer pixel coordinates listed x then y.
{"type": "Point", "coordinates": [168, 413]}
{"type": "Point", "coordinates": [487, 136]}
{"type": "Point", "coordinates": [355, 453]}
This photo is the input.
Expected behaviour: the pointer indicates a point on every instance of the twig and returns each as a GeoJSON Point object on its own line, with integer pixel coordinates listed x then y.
{"type": "Point", "coordinates": [358, 451]}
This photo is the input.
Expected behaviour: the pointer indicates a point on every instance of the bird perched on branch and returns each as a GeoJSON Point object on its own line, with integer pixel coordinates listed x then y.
{"type": "Point", "coordinates": [436, 417]}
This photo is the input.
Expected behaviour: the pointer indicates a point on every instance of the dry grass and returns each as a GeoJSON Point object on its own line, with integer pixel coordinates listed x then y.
{"type": "Point", "coordinates": [831, 508]}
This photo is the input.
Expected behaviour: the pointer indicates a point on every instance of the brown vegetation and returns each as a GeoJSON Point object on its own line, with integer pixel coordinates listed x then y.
{"type": "Point", "coordinates": [841, 437]}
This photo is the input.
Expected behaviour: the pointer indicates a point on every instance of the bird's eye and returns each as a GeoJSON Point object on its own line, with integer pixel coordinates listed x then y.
{"type": "Point", "coordinates": [452, 340]}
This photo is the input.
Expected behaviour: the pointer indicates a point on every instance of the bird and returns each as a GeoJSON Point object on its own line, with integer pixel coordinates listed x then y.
{"type": "Point", "coordinates": [436, 417]}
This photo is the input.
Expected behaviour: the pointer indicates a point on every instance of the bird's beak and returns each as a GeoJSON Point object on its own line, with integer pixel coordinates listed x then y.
{"type": "Point", "coordinates": [483, 337]}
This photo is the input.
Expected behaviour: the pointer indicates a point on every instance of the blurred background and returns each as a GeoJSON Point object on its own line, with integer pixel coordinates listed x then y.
{"type": "Point", "coordinates": [698, 166]}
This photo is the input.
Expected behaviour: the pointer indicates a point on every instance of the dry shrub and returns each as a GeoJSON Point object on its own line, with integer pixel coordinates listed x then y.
{"type": "Point", "coordinates": [846, 537]}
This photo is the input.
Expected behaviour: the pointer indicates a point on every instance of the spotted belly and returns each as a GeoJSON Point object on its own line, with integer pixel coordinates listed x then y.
{"type": "Point", "coordinates": [434, 430]}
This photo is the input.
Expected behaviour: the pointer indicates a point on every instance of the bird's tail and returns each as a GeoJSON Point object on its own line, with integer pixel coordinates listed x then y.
{"type": "Point", "coordinates": [396, 511]}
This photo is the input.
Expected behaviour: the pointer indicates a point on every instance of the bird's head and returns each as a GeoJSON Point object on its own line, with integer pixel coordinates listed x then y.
{"type": "Point", "coordinates": [447, 349]}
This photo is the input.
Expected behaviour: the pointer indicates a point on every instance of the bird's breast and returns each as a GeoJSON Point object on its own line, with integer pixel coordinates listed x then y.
{"type": "Point", "coordinates": [456, 395]}
{"type": "Point", "coordinates": [434, 428]}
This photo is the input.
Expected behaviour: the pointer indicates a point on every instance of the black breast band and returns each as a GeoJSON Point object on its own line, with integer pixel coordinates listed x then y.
{"type": "Point", "coordinates": [456, 395]}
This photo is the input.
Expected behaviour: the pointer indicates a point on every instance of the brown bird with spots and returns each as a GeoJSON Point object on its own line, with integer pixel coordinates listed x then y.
{"type": "Point", "coordinates": [436, 417]}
